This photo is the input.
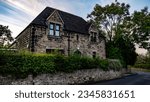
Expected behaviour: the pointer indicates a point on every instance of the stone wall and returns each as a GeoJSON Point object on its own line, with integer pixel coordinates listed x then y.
{"type": "Point", "coordinates": [23, 40]}
{"type": "Point", "coordinates": [83, 44]}
{"type": "Point", "coordinates": [77, 77]}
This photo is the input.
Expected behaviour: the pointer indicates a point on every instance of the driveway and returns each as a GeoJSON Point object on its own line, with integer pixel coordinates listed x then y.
{"type": "Point", "coordinates": [141, 78]}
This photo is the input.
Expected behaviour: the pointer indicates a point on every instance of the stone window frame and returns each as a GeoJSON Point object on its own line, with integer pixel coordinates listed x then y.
{"type": "Point", "coordinates": [59, 51]}
{"type": "Point", "coordinates": [54, 29]}
{"type": "Point", "coordinates": [57, 30]}
{"type": "Point", "coordinates": [93, 37]}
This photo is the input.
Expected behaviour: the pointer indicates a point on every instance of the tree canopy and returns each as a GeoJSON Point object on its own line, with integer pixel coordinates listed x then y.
{"type": "Point", "coordinates": [5, 35]}
{"type": "Point", "coordinates": [141, 27]}
{"type": "Point", "coordinates": [115, 19]}
{"type": "Point", "coordinates": [122, 29]}
{"type": "Point", "coordinates": [109, 18]}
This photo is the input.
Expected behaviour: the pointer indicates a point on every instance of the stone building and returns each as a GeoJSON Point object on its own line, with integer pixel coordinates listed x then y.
{"type": "Point", "coordinates": [56, 30]}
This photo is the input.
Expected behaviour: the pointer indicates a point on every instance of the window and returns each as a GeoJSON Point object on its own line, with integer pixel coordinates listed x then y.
{"type": "Point", "coordinates": [54, 29]}
{"type": "Point", "coordinates": [58, 51]}
{"type": "Point", "coordinates": [77, 37]}
{"type": "Point", "coordinates": [57, 31]}
{"type": "Point", "coordinates": [51, 29]}
{"type": "Point", "coordinates": [77, 52]}
{"type": "Point", "coordinates": [94, 54]}
{"type": "Point", "coordinates": [49, 50]}
{"type": "Point", "coordinates": [93, 37]}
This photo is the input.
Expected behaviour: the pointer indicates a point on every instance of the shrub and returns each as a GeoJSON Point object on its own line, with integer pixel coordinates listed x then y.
{"type": "Point", "coordinates": [145, 66]}
{"type": "Point", "coordinates": [23, 63]}
{"type": "Point", "coordinates": [114, 64]}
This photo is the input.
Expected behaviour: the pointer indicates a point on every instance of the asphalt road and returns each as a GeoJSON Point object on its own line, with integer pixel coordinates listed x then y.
{"type": "Point", "coordinates": [141, 78]}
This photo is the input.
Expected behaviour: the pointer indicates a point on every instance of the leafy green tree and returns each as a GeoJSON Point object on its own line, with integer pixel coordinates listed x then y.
{"type": "Point", "coordinates": [5, 35]}
{"type": "Point", "coordinates": [127, 49]}
{"type": "Point", "coordinates": [141, 27]}
{"type": "Point", "coordinates": [114, 21]}
{"type": "Point", "coordinates": [109, 18]}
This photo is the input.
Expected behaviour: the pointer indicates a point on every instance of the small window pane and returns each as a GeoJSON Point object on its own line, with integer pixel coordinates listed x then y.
{"type": "Point", "coordinates": [94, 54]}
{"type": "Point", "coordinates": [77, 37]}
{"type": "Point", "coordinates": [57, 27]}
{"type": "Point", "coordinates": [48, 50]}
{"type": "Point", "coordinates": [51, 26]}
{"type": "Point", "coordinates": [57, 33]}
{"type": "Point", "coordinates": [51, 32]}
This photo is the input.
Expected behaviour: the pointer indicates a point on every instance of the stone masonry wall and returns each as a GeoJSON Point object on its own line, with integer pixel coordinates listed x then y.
{"type": "Point", "coordinates": [23, 40]}
{"type": "Point", "coordinates": [77, 77]}
{"type": "Point", "coordinates": [83, 44]}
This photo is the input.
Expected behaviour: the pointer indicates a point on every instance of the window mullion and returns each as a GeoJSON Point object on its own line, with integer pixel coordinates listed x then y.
{"type": "Point", "coordinates": [54, 29]}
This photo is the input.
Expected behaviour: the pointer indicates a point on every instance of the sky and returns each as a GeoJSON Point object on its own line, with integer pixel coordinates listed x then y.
{"type": "Point", "coordinates": [17, 14]}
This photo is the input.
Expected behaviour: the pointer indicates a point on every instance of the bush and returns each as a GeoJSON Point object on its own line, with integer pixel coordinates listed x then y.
{"type": "Point", "coordinates": [24, 63]}
{"type": "Point", "coordinates": [145, 66]}
{"type": "Point", "coordinates": [114, 64]}
{"type": "Point", "coordinates": [143, 61]}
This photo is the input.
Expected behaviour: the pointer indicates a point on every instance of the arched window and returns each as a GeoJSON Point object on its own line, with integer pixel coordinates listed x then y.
{"type": "Point", "coordinates": [77, 52]}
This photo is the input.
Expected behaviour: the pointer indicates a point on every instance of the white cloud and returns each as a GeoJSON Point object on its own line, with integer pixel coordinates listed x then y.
{"type": "Point", "coordinates": [13, 27]}
{"type": "Point", "coordinates": [27, 10]}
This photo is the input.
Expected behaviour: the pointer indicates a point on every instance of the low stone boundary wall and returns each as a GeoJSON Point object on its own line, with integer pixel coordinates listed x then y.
{"type": "Point", "coordinates": [77, 77]}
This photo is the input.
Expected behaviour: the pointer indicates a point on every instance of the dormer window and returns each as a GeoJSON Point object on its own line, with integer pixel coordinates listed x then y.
{"type": "Point", "coordinates": [54, 29]}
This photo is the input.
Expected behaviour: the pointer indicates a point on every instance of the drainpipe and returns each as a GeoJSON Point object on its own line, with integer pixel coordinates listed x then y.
{"type": "Point", "coordinates": [32, 38]}
{"type": "Point", "coordinates": [68, 43]}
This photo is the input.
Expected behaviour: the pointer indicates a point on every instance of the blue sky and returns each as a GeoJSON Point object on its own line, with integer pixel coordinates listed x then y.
{"type": "Point", "coordinates": [17, 14]}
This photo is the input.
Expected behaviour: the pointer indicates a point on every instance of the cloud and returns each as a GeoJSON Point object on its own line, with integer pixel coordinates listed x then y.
{"type": "Point", "coordinates": [17, 14]}
{"type": "Point", "coordinates": [15, 28]}
{"type": "Point", "coordinates": [22, 12]}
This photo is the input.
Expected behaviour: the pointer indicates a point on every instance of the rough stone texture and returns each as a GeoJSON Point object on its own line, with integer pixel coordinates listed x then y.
{"type": "Point", "coordinates": [23, 40]}
{"type": "Point", "coordinates": [77, 77]}
{"type": "Point", "coordinates": [83, 44]}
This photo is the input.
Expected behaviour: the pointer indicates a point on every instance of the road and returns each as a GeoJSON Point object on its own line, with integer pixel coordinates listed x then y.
{"type": "Point", "coordinates": [141, 78]}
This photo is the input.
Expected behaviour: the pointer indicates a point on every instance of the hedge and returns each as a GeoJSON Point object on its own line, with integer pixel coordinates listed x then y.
{"type": "Point", "coordinates": [114, 64]}
{"type": "Point", "coordinates": [23, 64]}
{"type": "Point", "coordinates": [145, 66]}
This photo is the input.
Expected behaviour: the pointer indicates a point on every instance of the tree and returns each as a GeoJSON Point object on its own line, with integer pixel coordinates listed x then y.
{"type": "Point", "coordinates": [109, 18]}
{"type": "Point", "coordinates": [5, 35]}
{"type": "Point", "coordinates": [114, 21]}
{"type": "Point", "coordinates": [141, 28]}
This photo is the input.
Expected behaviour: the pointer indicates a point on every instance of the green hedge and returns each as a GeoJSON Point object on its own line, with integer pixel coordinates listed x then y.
{"type": "Point", "coordinates": [115, 64]}
{"type": "Point", "coordinates": [145, 66]}
{"type": "Point", "coordinates": [22, 64]}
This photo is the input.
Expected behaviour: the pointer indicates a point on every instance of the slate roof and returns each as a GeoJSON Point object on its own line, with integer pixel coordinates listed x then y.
{"type": "Point", "coordinates": [72, 22]}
